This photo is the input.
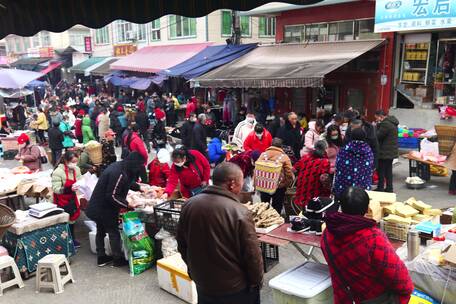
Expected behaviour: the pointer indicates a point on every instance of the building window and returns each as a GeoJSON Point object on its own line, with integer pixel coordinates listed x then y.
{"type": "Point", "coordinates": [10, 45]}
{"type": "Point", "coordinates": [36, 40]}
{"type": "Point", "coordinates": [102, 35]}
{"type": "Point", "coordinates": [26, 43]}
{"type": "Point", "coordinates": [364, 29]}
{"type": "Point", "coordinates": [124, 31]}
{"type": "Point", "coordinates": [294, 33]}
{"type": "Point", "coordinates": [45, 39]}
{"type": "Point", "coordinates": [226, 23]}
{"type": "Point", "coordinates": [18, 45]}
{"type": "Point", "coordinates": [155, 30]}
{"type": "Point", "coordinates": [141, 32]}
{"type": "Point", "coordinates": [316, 32]}
{"type": "Point", "coordinates": [77, 38]}
{"type": "Point", "coordinates": [181, 27]}
{"type": "Point", "coordinates": [267, 26]}
{"type": "Point", "coordinates": [245, 26]}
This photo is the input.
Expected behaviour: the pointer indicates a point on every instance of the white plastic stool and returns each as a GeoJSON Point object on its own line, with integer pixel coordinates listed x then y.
{"type": "Point", "coordinates": [49, 273]}
{"type": "Point", "coordinates": [7, 262]}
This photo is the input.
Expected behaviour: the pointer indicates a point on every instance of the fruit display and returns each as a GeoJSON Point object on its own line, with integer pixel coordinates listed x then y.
{"type": "Point", "coordinates": [264, 215]}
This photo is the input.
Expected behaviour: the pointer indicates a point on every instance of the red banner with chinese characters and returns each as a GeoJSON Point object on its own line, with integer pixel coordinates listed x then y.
{"type": "Point", "coordinates": [124, 49]}
{"type": "Point", "coordinates": [88, 44]}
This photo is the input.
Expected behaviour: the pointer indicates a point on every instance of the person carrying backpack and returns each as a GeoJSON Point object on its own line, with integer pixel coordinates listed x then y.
{"type": "Point", "coordinates": [276, 156]}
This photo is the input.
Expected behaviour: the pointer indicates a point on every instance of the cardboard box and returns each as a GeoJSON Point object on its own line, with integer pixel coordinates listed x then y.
{"type": "Point", "coordinates": [375, 211]}
{"type": "Point", "coordinates": [423, 91]}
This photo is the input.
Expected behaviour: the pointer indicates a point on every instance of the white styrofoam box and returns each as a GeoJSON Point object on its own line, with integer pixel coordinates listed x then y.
{"type": "Point", "coordinates": [173, 277]}
{"type": "Point", "coordinates": [309, 283]}
{"type": "Point", "coordinates": [93, 245]}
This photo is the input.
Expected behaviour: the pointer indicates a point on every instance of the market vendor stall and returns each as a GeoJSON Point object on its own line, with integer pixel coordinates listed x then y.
{"type": "Point", "coordinates": [30, 239]}
{"type": "Point", "coordinates": [421, 166]}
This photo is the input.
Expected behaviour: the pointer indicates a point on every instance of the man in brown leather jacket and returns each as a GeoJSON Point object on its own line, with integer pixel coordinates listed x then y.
{"type": "Point", "coordinates": [216, 238]}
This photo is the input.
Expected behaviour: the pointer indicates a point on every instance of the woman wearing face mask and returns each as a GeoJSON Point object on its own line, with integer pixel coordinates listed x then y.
{"type": "Point", "coordinates": [28, 154]}
{"type": "Point", "coordinates": [260, 139]}
{"type": "Point", "coordinates": [334, 139]}
{"type": "Point", "coordinates": [64, 178]}
{"type": "Point", "coordinates": [190, 169]}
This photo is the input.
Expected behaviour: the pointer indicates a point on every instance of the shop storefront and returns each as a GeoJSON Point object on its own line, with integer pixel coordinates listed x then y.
{"type": "Point", "coordinates": [425, 51]}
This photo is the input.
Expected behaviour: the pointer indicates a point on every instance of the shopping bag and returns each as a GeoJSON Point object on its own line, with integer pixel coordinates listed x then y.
{"type": "Point", "coordinates": [429, 148]}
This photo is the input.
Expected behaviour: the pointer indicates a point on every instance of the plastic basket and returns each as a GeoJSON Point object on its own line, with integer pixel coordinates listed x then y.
{"type": "Point", "coordinates": [167, 215]}
{"type": "Point", "coordinates": [270, 255]}
{"type": "Point", "coordinates": [447, 138]}
{"type": "Point", "coordinates": [408, 142]}
{"type": "Point", "coordinates": [95, 153]}
{"type": "Point", "coordinates": [7, 219]}
{"type": "Point", "coordinates": [396, 231]}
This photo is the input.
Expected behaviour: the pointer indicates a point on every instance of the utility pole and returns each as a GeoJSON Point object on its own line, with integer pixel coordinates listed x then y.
{"type": "Point", "coordinates": [236, 28]}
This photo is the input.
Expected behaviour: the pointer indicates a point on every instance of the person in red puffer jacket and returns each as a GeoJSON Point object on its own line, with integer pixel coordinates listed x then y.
{"type": "Point", "coordinates": [135, 142]}
{"type": "Point", "coordinates": [362, 263]}
{"type": "Point", "coordinates": [159, 169]}
{"type": "Point", "coordinates": [190, 169]}
{"type": "Point", "coordinates": [260, 139]}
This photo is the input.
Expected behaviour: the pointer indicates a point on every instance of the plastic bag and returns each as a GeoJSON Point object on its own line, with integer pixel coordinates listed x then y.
{"type": "Point", "coordinates": [169, 243]}
{"type": "Point", "coordinates": [427, 147]}
{"type": "Point", "coordinates": [419, 297]}
{"type": "Point", "coordinates": [138, 244]}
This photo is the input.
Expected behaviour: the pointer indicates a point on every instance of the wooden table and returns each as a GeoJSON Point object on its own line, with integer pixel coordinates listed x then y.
{"type": "Point", "coordinates": [420, 167]}
{"type": "Point", "coordinates": [282, 236]}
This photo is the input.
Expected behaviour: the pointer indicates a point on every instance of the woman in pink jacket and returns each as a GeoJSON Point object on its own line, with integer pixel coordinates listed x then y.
{"type": "Point", "coordinates": [334, 140]}
{"type": "Point", "coordinates": [316, 128]}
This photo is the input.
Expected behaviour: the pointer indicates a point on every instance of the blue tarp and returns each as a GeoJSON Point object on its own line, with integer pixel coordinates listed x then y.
{"type": "Point", "coordinates": [123, 79]}
{"type": "Point", "coordinates": [208, 59]}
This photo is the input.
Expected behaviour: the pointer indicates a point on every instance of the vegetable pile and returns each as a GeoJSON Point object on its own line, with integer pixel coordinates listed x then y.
{"type": "Point", "coordinates": [264, 215]}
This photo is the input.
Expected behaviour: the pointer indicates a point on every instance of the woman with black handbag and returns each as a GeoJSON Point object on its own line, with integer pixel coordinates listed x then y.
{"type": "Point", "coordinates": [64, 177]}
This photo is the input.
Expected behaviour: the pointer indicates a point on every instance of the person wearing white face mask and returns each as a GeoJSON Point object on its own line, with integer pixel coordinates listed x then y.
{"type": "Point", "coordinates": [243, 129]}
{"type": "Point", "coordinates": [64, 177]}
{"type": "Point", "coordinates": [190, 169]}
{"type": "Point", "coordinates": [260, 139]}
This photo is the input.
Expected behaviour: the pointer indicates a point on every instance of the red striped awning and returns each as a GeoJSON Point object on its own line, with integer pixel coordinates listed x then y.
{"type": "Point", "coordinates": [52, 66]}
{"type": "Point", "coordinates": [153, 59]}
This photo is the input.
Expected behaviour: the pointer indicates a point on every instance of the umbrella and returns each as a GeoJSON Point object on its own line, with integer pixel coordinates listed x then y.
{"type": "Point", "coordinates": [16, 79]}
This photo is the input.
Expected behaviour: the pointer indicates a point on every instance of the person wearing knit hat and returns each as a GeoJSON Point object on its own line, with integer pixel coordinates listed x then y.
{"type": "Point", "coordinates": [120, 109]}
{"type": "Point", "coordinates": [109, 196]}
{"type": "Point", "coordinates": [159, 133]}
{"type": "Point", "coordinates": [28, 154]}
{"type": "Point", "coordinates": [159, 114]}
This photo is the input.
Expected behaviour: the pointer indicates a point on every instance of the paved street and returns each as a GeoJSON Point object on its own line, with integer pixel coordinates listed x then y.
{"type": "Point", "coordinates": [112, 286]}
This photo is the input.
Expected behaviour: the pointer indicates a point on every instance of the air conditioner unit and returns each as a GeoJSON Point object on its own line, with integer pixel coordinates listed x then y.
{"type": "Point", "coordinates": [130, 35]}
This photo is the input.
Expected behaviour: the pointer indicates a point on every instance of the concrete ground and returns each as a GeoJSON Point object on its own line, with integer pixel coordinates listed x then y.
{"type": "Point", "coordinates": [112, 285]}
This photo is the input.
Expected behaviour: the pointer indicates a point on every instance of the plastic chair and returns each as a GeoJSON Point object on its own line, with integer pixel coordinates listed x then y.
{"type": "Point", "coordinates": [5, 263]}
{"type": "Point", "coordinates": [49, 273]}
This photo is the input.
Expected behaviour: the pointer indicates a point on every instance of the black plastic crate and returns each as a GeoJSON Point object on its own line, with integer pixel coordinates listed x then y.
{"type": "Point", "coordinates": [167, 215]}
{"type": "Point", "coordinates": [270, 255]}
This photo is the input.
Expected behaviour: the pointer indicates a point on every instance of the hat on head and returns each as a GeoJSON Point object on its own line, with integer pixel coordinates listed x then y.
{"type": "Point", "coordinates": [163, 156]}
{"type": "Point", "coordinates": [81, 112]}
{"type": "Point", "coordinates": [23, 138]}
{"type": "Point", "coordinates": [110, 132]}
{"type": "Point", "coordinates": [120, 109]}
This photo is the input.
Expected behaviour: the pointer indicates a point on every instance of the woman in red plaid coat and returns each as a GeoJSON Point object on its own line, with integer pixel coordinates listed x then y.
{"type": "Point", "coordinates": [362, 263]}
{"type": "Point", "coordinates": [312, 169]}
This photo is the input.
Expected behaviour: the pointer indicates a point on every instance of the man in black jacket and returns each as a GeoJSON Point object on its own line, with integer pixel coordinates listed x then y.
{"type": "Point", "coordinates": [199, 141]}
{"type": "Point", "coordinates": [187, 130]}
{"type": "Point", "coordinates": [55, 143]}
{"type": "Point", "coordinates": [290, 133]}
{"type": "Point", "coordinates": [143, 123]}
{"type": "Point", "coordinates": [388, 150]}
{"type": "Point", "coordinates": [108, 197]}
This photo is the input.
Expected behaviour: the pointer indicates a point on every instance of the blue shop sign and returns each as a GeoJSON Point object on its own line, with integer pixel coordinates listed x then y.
{"type": "Point", "coordinates": [412, 15]}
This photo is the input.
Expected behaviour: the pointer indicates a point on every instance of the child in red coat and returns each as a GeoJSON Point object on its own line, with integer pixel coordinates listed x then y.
{"type": "Point", "coordinates": [159, 169]}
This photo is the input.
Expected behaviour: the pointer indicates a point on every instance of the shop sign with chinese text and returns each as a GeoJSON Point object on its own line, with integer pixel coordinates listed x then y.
{"type": "Point", "coordinates": [412, 15]}
{"type": "Point", "coordinates": [124, 49]}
